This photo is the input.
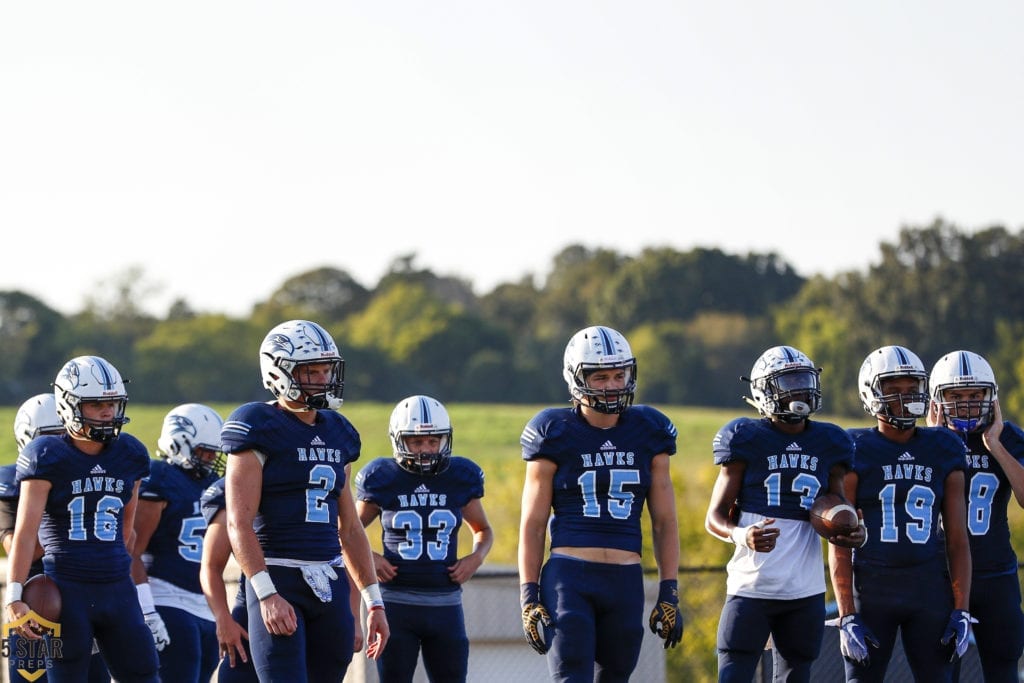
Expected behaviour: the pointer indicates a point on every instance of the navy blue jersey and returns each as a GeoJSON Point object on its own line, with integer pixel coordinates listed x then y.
{"type": "Point", "coordinates": [900, 489]}
{"type": "Point", "coordinates": [9, 491]}
{"type": "Point", "coordinates": [784, 472]}
{"type": "Point", "coordinates": [176, 547]}
{"type": "Point", "coordinates": [303, 475]}
{"type": "Point", "coordinates": [988, 494]}
{"type": "Point", "coordinates": [212, 500]}
{"type": "Point", "coordinates": [420, 517]}
{"type": "Point", "coordinates": [82, 529]}
{"type": "Point", "coordinates": [603, 475]}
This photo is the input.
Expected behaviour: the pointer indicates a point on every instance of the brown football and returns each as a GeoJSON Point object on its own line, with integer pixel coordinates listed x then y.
{"type": "Point", "coordinates": [831, 515]}
{"type": "Point", "coordinates": [42, 595]}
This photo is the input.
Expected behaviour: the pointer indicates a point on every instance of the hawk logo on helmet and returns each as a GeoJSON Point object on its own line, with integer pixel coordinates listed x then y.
{"type": "Point", "coordinates": [180, 423]}
{"type": "Point", "coordinates": [279, 342]}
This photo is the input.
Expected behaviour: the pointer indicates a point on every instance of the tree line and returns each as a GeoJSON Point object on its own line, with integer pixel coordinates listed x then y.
{"type": "Point", "coordinates": [696, 320]}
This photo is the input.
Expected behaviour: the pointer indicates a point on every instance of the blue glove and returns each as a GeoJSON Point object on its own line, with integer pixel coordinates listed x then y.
{"type": "Point", "coordinates": [534, 614]}
{"type": "Point", "coordinates": [958, 631]}
{"type": "Point", "coordinates": [854, 638]}
{"type": "Point", "coordinates": [665, 619]}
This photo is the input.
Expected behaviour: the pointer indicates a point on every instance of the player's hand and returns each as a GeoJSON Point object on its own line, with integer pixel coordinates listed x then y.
{"type": "Point", "coordinates": [377, 633]}
{"type": "Point", "coordinates": [464, 569]}
{"type": "Point", "coordinates": [229, 637]}
{"type": "Point", "coordinates": [161, 638]}
{"type": "Point", "coordinates": [995, 426]}
{"type": "Point", "coordinates": [958, 632]}
{"type": "Point", "coordinates": [854, 539]}
{"type": "Point", "coordinates": [278, 615]}
{"type": "Point", "coordinates": [30, 629]}
{"type": "Point", "coordinates": [534, 614]}
{"type": "Point", "coordinates": [385, 570]}
{"type": "Point", "coordinates": [666, 619]}
{"type": "Point", "coordinates": [854, 638]}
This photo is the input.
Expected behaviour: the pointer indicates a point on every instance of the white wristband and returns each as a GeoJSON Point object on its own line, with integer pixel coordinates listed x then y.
{"type": "Point", "coordinates": [739, 535]}
{"type": "Point", "coordinates": [145, 597]}
{"type": "Point", "coordinates": [13, 592]}
{"type": "Point", "coordinates": [262, 584]}
{"type": "Point", "coordinates": [371, 596]}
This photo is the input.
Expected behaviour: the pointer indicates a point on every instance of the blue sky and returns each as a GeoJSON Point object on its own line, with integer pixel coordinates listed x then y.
{"type": "Point", "coordinates": [226, 146]}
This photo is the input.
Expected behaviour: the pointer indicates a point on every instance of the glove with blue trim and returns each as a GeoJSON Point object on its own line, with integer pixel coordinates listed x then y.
{"type": "Point", "coordinates": [854, 638]}
{"type": "Point", "coordinates": [958, 632]}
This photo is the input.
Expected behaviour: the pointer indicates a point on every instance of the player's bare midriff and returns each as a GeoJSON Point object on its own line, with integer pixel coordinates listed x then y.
{"type": "Point", "coordinates": [605, 555]}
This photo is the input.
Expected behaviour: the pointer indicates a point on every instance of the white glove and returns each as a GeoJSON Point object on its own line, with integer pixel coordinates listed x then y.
{"type": "Point", "coordinates": [156, 625]}
{"type": "Point", "coordinates": [159, 630]}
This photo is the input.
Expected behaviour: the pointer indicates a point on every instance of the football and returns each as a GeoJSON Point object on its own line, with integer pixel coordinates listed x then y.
{"type": "Point", "coordinates": [831, 515]}
{"type": "Point", "coordinates": [42, 595]}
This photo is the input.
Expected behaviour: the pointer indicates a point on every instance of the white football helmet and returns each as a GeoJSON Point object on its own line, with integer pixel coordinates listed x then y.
{"type": "Point", "coordinates": [900, 410]}
{"type": "Point", "coordinates": [785, 385]}
{"type": "Point", "coordinates": [599, 348]}
{"type": "Point", "coordinates": [295, 343]}
{"type": "Point", "coordinates": [88, 379]}
{"type": "Point", "coordinates": [964, 370]}
{"type": "Point", "coordinates": [417, 416]}
{"type": "Point", "coordinates": [186, 429]}
{"type": "Point", "coordinates": [36, 416]}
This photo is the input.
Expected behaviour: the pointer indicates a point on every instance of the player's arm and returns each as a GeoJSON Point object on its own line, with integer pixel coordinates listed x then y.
{"type": "Point", "coordinates": [8, 516]}
{"type": "Point", "coordinates": [359, 561]}
{"type": "Point", "coordinates": [533, 520]}
{"type": "Point", "coordinates": [243, 486]}
{"type": "Point", "coordinates": [958, 549]}
{"type": "Point", "coordinates": [147, 517]}
{"type": "Point", "coordinates": [216, 551]}
{"type": "Point", "coordinates": [720, 519]}
{"type": "Point", "coordinates": [130, 507]}
{"type": "Point", "coordinates": [837, 484]}
{"type": "Point", "coordinates": [31, 504]}
{"type": "Point", "coordinates": [664, 525]}
{"type": "Point", "coordinates": [483, 538]}
{"type": "Point", "coordinates": [1011, 467]}
{"type": "Point", "coordinates": [840, 559]}
{"type": "Point", "coordinates": [369, 511]}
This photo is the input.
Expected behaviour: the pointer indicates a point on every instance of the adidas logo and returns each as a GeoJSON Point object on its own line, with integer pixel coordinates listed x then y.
{"type": "Point", "coordinates": [422, 488]}
{"type": "Point", "coordinates": [317, 441]}
{"type": "Point", "coordinates": [793, 447]}
{"type": "Point", "coordinates": [905, 457]}
{"type": "Point", "coordinates": [97, 470]}
{"type": "Point", "coordinates": [607, 446]}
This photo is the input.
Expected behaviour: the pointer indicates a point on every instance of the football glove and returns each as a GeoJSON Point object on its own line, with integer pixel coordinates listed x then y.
{"type": "Point", "coordinates": [159, 630]}
{"type": "Point", "coordinates": [854, 638]}
{"type": "Point", "coordinates": [958, 632]}
{"type": "Point", "coordinates": [666, 620]}
{"type": "Point", "coordinates": [534, 614]}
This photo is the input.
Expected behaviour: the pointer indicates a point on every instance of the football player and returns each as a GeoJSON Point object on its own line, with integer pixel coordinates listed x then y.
{"type": "Point", "coordinates": [289, 461]}
{"type": "Point", "coordinates": [913, 573]}
{"type": "Point", "coordinates": [79, 492]}
{"type": "Point", "coordinates": [233, 640]}
{"type": "Point", "coordinates": [772, 469]}
{"type": "Point", "coordinates": [590, 468]}
{"type": "Point", "coordinates": [965, 398]}
{"type": "Point", "coordinates": [422, 495]}
{"type": "Point", "coordinates": [168, 547]}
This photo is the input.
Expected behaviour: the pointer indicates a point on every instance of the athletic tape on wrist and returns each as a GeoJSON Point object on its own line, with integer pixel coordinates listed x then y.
{"type": "Point", "coordinates": [14, 590]}
{"type": "Point", "coordinates": [262, 584]}
{"type": "Point", "coordinates": [372, 597]}
{"type": "Point", "coordinates": [145, 597]}
{"type": "Point", "coordinates": [739, 535]}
